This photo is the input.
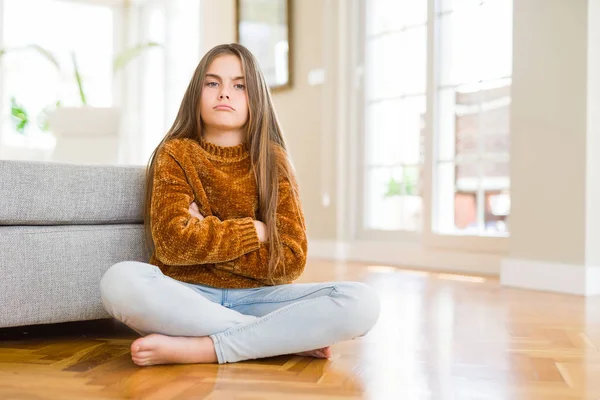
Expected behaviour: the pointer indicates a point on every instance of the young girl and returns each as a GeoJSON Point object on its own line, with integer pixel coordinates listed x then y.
{"type": "Point", "coordinates": [227, 237]}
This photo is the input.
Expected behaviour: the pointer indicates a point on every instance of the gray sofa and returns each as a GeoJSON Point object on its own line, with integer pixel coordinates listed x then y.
{"type": "Point", "coordinates": [61, 227]}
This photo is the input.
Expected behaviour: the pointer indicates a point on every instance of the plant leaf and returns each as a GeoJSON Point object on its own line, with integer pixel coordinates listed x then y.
{"type": "Point", "coordinates": [42, 119]}
{"type": "Point", "coordinates": [45, 53]}
{"type": "Point", "coordinates": [79, 81]}
{"type": "Point", "coordinates": [394, 188]}
{"type": "Point", "coordinates": [21, 126]}
{"type": "Point", "coordinates": [19, 115]}
{"type": "Point", "coordinates": [127, 55]}
{"type": "Point", "coordinates": [42, 51]}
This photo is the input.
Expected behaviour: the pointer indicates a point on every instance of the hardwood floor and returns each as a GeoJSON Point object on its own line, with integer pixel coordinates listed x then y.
{"type": "Point", "coordinates": [440, 336]}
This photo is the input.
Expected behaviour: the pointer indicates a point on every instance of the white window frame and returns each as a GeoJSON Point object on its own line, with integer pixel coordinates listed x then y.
{"type": "Point", "coordinates": [363, 233]}
{"type": "Point", "coordinates": [427, 237]}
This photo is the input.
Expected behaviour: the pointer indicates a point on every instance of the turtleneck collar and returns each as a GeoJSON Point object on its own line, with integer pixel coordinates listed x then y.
{"type": "Point", "coordinates": [231, 153]}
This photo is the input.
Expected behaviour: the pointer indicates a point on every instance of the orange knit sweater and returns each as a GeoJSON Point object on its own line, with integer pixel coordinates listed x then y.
{"type": "Point", "coordinates": [223, 250]}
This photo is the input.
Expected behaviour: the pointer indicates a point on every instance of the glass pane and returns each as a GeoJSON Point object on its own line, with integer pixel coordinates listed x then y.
{"type": "Point", "coordinates": [152, 107]}
{"type": "Point", "coordinates": [412, 203]}
{"type": "Point", "coordinates": [384, 129]}
{"type": "Point", "coordinates": [412, 115]}
{"type": "Point", "coordinates": [495, 51]}
{"type": "Point", "coordinates": [383, 205]}
{"type": "Point", "coordinates": [445, 134]}
{"type": "Point", "coordinates": [465, 213]}
{"type": "Point", "coordinates": [396, 64]}
{"type": "Point", "coordinates": [412, 213]}
{"type": "Point", "coordinates": [496, 174]}
{"type": "Point", "coordinates": [408, 184]}
{"type": "Point", "coordinates": [467, 122]}
{"type": "Point", "coordinates": [34, 81]}
{"type": "Point", "coordinates": [496, 143]}
{"type": "Point", "coordinates": [395, 131]}
{"type": "Point", "coordinates": [495, 107]}
{"type": "Point", "coordinates": [494, 183]}
{"type": "Point", "coordinates": [413, 71]}
{"type": "Point", "coordinates": [457, 199]}
{"type": "Point", "coordinates": [467, 177]}
{"type": "Point", "coordinates": [476, 43]}
{"type": "Point", "coordinates": [444, 197]}
{"type": "Point", "coordinates": [474, 96]}
{"type": "Point", "coordinates": [450, 5]}
{"type": "Point", "coordinates": [497, 211]}
{"type": "Point", "coordinates": [393, 198]}
{"type": "Point", "coordinates": [388, 15]}
{"type": "Point", "coordinates": [481, 116]}
{"type": "Point", "coordinates": [461, 44]}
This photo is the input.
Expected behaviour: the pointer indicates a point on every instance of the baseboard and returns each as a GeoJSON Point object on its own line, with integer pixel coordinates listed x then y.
{"type": "Point", "coordinates": [552, 277]}
{"type": "Point", "coordinates": [327, 249]}
{"type": "Point", "coordinates": [406, 255]}
{"type": "Point", "coordinates": [525, 274]}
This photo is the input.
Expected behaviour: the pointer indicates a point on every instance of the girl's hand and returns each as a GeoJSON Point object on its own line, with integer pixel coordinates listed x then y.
{"type": "Point", "coordinates": [195, 211]}
{"type": "Point", "coordinates": [261, 230]}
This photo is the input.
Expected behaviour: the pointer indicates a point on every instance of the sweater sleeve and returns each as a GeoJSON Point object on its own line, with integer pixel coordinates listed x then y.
{"type": "Point", "coordinates": [181, 239]}
{"type": "Point", "coordinates": [292, 233]}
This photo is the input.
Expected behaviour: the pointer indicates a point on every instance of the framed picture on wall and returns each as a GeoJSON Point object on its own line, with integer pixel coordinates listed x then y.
{"type": "Point", "coordinates": [264, 27]}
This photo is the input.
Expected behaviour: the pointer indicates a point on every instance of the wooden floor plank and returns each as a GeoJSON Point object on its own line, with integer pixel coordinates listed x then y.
{"type": "Point", "coordinates": [439, 336]}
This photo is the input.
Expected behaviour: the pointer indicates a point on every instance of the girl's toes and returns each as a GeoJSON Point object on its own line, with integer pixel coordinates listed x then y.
{"type": "Point", "coordinates": [141, 361]}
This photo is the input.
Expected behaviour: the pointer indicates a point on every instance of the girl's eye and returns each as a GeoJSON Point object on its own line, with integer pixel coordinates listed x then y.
{"type": "Point", "coordinates": [211, 84]}
{"type": "Point", "coordinates": [240, 86]}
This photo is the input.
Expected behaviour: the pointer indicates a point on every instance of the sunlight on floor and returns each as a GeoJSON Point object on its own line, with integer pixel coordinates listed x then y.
{"type": "Point", "coordinates": [388, 269]}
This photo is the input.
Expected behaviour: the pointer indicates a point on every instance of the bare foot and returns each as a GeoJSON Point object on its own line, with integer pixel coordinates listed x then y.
{"type": "Point", "coordinates": [324, 352]}
{"type": "Point", "coordinates": [161, 349]}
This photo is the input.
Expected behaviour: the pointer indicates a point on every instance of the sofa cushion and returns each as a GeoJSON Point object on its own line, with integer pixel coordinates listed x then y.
{"type": "Point", "coordinates": [52, 274]}
{"type": "Point", "coordinates": [50, 193]}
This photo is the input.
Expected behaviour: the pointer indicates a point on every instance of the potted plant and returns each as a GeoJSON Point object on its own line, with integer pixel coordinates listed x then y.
{"type": "Point", "coordinates": [74, 126]}
{"type": "Point", "coordinates": [19, 115]}
{"type": "Point", "coordinates": [27, 144]}
{"type": "Point", "coordinates": [96, 127]}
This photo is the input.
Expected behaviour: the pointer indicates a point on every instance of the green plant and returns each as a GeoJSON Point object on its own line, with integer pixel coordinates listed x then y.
{"type": "Point", "coordinates": [21, 120]}
{"type": "Point", "coordinates": [42, 121]}
{"type": "Point", "coordinates": [394, 188]}
{"type": "Point", "coordinates": [19, 115]}
{"type": "Point", "coordinates": [406, 186]}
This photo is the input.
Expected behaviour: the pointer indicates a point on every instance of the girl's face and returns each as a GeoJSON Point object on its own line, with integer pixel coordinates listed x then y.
{"type": "Point", "coordinates": [224, 101]}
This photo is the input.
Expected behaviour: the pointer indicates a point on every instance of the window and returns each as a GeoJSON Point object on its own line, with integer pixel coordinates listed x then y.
{"type": "Point", "coordinates": [472, 190]}
{"type": "Point", "coordinates": [148, 91]}
{"type": "Point", "coordinates": [35, 83]}
{"type": "Point", "coordinates": [395, 87]}
{"type": "Point", "coordinates": [470, 55]}
{"type": "Point", "coordinates": [163, 73]}
{"type": "Point", "coordinates": [153, 124]}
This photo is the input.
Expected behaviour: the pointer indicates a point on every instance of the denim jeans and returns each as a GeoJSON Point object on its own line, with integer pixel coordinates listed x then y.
{"type": "Point", "coordinates": [243, 323]}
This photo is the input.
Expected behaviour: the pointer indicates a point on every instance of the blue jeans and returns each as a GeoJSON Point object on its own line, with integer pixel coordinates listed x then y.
{"type": "Point", "coordinates": [243, 323]}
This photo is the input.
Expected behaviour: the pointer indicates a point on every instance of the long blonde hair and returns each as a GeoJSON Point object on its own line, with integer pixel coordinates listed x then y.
{"type": "Point", "coordinates": [263, 139]}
